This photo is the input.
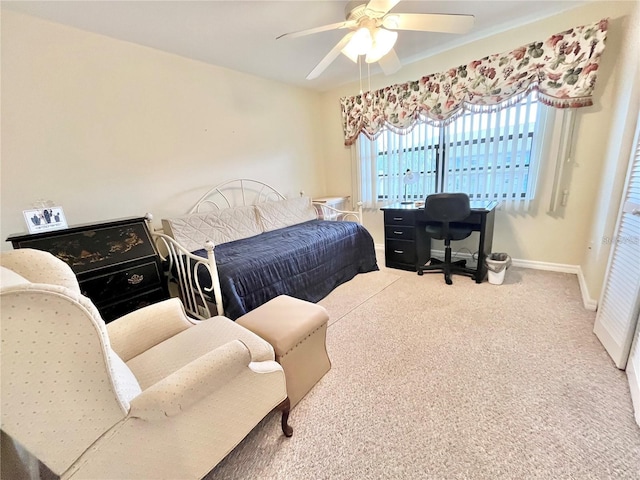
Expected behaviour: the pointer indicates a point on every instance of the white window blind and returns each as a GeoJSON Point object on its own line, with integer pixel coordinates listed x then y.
{"type": "Point", "coordinates": [490, 156]}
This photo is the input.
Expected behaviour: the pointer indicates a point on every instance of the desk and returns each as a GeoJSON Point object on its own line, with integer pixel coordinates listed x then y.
{"type": "Point", "coordinates": [407, 245]}
{"type": "Point", "coordinates": [337, 202]}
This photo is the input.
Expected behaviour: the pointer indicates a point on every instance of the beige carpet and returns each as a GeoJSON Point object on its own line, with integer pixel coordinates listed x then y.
{"type": "Point", "coordinates": [468, 381]}
{"type": "Point", "coordinates": [354, 293]}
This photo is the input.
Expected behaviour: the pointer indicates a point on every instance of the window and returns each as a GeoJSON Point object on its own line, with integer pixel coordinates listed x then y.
{"type": "Point", "coordinates": [490, 156]}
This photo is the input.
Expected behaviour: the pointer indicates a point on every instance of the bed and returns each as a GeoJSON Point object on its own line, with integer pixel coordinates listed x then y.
{"type": "Point", "coordinates": [243, 243]}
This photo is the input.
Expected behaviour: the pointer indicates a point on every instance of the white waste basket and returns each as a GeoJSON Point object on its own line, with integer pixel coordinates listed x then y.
{"type": "Point", "coordinates": [497, 264]}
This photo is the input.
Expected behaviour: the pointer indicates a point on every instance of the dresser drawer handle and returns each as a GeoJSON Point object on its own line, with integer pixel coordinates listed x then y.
{"type": "Point", "coordinates": [398, 251]}
{"type": "Point", "coordinates": [398, 233]}
{"type": "Point", "coordinates": [398, 218]}
{"type": "Point", "coordinates": [135, 279]}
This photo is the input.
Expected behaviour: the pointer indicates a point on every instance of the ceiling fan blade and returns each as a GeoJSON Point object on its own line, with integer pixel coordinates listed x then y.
{"type": "Point", "coordinates": [381, 6]}
{"type": "Point", "coordinates": [390, 63]}
{"type": "Point", "coordinates": [329, 57]}
{"type": "Point", "coordinates": [324, 28]}
{"type": "Point", "coordinates": [429, 22]}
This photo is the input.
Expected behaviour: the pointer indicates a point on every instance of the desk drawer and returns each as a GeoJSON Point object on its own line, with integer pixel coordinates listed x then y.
{"type": "Point", "coordinates": [399, 233]}
{"type": "Point", "coordinates": [121, 283]}
{"type": "Point", "coordinates": [400, 251]}
{"type": "Point", "coordinates": [399, 217]}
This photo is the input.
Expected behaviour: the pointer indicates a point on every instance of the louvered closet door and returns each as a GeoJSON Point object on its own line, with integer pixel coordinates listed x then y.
{"type": "Point", "coordinates": [633, 372]}
{"type": "Point", "coordinates": [620, 301]}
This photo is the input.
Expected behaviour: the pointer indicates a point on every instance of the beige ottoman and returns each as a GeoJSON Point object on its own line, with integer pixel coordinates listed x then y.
{"type": "Point", "coordinates": [297, 331]}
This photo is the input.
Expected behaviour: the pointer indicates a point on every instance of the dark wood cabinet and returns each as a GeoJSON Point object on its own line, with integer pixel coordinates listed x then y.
{"type": "Point", "coordinates": [116, 262]}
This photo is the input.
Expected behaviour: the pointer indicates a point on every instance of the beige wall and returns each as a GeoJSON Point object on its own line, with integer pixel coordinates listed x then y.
{"type": "Point", "coordinates": [109, 129]}
{"type": "Point", "coordinates": [563, 238]}
{"type": "Point", "coordinates": [619, 147]}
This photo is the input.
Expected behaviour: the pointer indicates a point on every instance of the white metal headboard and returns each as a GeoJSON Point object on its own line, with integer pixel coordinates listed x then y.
{"type": "Point", "coordinates": [232, 193]}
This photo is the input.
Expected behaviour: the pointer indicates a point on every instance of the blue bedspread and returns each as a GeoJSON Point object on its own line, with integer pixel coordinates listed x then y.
{"type": "Point", "coordinates": [305, 261]}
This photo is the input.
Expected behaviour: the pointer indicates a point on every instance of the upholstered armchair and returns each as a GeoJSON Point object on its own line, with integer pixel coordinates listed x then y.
{"type": "Point", "coordinates": [153, 394]}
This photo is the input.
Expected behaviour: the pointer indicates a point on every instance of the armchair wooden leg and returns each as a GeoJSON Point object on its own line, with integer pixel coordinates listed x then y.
{"type": "Point", "coordinates": [285, 408]}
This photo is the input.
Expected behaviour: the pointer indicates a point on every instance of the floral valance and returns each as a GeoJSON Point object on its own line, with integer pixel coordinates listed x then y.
{"type": "Point", "coordinates": [562, 69]}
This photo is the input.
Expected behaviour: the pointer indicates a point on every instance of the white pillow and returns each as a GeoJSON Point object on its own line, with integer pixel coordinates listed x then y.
{"type": "Point", "coordinates": [284, 213]}
{"type": "Point", "coordinates": [220, 226]}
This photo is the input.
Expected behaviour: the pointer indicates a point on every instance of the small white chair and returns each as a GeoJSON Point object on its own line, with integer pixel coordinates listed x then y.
{"type": "Point", "coordinates": [153, 394]}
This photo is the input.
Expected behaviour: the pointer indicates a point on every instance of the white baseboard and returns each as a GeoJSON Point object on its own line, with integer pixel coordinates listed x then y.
{"type": "Point", "coordinates": [548, 266]}
{"type": "Point", "coordinates": [588, 302]}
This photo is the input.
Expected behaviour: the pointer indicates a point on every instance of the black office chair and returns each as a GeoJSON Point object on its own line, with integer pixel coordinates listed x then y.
{"type": "Point", "coordinates": [441, 211]}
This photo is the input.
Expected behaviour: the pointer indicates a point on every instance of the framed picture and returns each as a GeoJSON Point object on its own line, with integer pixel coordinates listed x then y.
{"type": "Point", "coordinates": [45, 219]}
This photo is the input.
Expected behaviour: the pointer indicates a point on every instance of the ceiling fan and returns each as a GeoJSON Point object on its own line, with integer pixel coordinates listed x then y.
{"type": "Point", "coordinates": [373, 32]}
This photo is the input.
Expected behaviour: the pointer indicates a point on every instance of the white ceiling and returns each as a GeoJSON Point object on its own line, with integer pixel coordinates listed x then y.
{"type": "Point", "coordinates": [241, 35]}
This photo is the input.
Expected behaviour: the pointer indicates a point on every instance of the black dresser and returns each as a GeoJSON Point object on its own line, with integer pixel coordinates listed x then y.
{"type": "Point", "coordinates": [116, 262]}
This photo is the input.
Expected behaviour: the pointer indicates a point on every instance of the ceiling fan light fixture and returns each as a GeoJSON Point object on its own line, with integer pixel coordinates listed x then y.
{"type": "Point", "coordinates": [351, 53]}
{"type": "Point", "coordinates": [360, 43]}
{"type": "Point", "coordinates": [383, 42]}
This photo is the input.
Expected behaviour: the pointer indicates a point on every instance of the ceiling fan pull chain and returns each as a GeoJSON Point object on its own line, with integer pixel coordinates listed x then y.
{"type": "Point", "coordinates": [360, 71]}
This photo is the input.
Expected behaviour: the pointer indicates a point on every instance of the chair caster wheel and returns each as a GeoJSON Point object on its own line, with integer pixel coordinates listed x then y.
{"type": "Point", "coordinates": [420, 272]}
